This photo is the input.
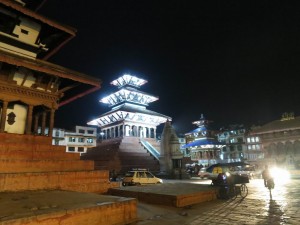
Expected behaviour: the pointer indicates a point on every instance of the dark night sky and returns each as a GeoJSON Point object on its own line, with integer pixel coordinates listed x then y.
{"type": "Point", "coordinates": [237, 62]}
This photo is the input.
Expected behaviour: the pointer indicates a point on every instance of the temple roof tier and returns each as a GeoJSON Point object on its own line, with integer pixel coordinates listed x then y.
{"type": "Point", "coordinates": [46, 36]}
{"type": "Point", "coordinates": [128, 94]}
{"type": "Point", "coordinates": [130, 112]}
{"type": "Point", "coordinates": [128, 79]}
{"type": "Point", "coordinates": [204, 143]}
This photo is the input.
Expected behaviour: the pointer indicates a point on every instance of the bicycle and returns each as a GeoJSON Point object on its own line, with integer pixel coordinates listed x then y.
{"type": "Point", "coordinates": [242, 190]}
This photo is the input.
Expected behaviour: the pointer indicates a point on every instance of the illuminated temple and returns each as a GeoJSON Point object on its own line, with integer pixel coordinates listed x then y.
{"type": "Point", "coordinates": [203, 146]}
{"type": "Point", "coordinates": [128, 115]}
{"type": "Point", "coordinates": [128, 130]}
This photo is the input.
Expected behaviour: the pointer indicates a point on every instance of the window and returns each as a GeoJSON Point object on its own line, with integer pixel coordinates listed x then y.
{"type": "Point", "coordinates": [248, 140]}
{"type": "Point", "coordinates": [81, 131]}
{"type": "Point", "coordinates": [81, 140]}
{"type": "Point", "coordinates": [149, 175]}
{"type": "Point", "coordinates": [24, 31]}
{"type": "Point", "coordinates": [56, 142]}
{"type": "Point", "coordinates": [80, 149]}
{"type": "Point", "coordinates": [240, 140]}
{"type": "Point", "coordinates": [239, 147]}
{"type": "Point", "coordinates": [257, 139]}
{"type": "Point", "coordinates": [57, 133]}
{"type": "Point", "coordinates": [72, 139]}
{"type": "Point", "coordinates": [71, 149]}
{"type": "Point", "coordinates": [90, 131]}
{"type": "Point", "coordinates": [89, 140]}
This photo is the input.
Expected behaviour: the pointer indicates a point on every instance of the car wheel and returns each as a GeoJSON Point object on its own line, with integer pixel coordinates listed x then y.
{"type": "Point", "coordinates": [124, 184]}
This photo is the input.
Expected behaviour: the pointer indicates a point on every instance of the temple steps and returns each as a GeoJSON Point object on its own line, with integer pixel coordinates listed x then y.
{"type": "Point", "coordinates": [121, 155]}
{"type": "Point", "coordinates": [37, 155]}
{"type": "Point", "coordinates": [14, 166]}
{"type": "Point", "coordinates": [82, 181]}
{"type": "Point", "coordinates": [35, 164]}
{"type": "Point", "coordinates": [25, 139]}
{"type": "Point", "coordinates": [10, 146]}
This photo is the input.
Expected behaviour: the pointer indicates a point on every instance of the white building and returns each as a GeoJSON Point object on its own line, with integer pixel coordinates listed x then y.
{"type": "Point", "coordinates": [235, 149]}
{"type": "Point", "coordinates": [77, 141]}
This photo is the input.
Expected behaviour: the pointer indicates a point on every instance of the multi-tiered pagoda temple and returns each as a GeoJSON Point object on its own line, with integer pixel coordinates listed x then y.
{"type": "Point", "coordinates": [129, 115]}
{"type": "Point", "coordinates": [204, 147]}
{"type": "Point", "coordinates": [128, 130]}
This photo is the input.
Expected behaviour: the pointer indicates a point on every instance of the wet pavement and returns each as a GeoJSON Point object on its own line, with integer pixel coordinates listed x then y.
{"type": "Point", "coordinates": [283, 207]}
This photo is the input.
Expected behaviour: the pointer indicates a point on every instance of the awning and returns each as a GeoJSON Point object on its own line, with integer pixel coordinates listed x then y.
{"type": "Point", "coordinates": [201, 142]}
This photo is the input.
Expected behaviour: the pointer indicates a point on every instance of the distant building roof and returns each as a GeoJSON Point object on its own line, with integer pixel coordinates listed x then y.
{"type": "Point", "coordinates": [278, 125]}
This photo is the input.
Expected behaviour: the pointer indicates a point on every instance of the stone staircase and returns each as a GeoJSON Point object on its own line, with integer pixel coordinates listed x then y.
{"type": "Point", "coordinates": [122, 155]}
{"type": "Point", "coordinates": [29, 162]}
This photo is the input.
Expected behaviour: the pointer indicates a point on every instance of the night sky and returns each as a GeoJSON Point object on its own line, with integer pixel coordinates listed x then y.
{"type": "Point", "coordinates": [236, 62]}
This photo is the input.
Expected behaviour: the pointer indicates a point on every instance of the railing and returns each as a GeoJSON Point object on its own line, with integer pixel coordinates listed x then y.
{"type": "Point", "coordinates": [150, 149]}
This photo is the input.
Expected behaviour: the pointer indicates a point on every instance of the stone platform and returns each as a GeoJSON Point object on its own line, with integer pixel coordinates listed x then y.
{"type": "Point", "coordinates": [65, 207]}
{"type": "Point", "coordinates": [170, 194]}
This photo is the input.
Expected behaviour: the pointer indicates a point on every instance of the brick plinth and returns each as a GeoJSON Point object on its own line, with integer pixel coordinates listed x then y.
{"type": "Point", "coordinates": [29, 162]}
{"type": "Point", "coordinates": [63, 207]}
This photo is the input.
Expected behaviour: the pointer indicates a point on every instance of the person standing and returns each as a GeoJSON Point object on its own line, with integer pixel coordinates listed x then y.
{"type": "Point", "coordinates": [266, 175]}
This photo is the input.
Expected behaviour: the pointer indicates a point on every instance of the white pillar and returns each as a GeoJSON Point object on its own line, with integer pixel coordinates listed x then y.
{"type": "Point", "coordinates": [126, 130]}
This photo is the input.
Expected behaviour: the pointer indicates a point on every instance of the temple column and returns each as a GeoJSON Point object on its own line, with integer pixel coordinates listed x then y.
{"type": "Point", "coordinates": [51, 122]}
{"type": "Point", "coordinates": [36, 123]}
{"type": "Point", "coordinates": [105, 134]}
{"type": "Point", "coordinates": [154, 133]}
{"type": "Point", "coordinates": [119, 129]}
{"type": "Point", "coordinates": [43, 128]}
{"type": "Point", "coordinates": [126, 130]}
{"type": "Point", "coordinates": [29, 120]}
{"type": "Point", "coordinates": [3, 116]}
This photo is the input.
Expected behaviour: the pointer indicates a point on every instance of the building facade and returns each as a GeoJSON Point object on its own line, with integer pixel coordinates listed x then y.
{"type": "Point", "coordinates": [279, 141]}
{"type": "Point", "coordinates": [234, 138]}
{"type": "Point", "coordinates": [78, 141]}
